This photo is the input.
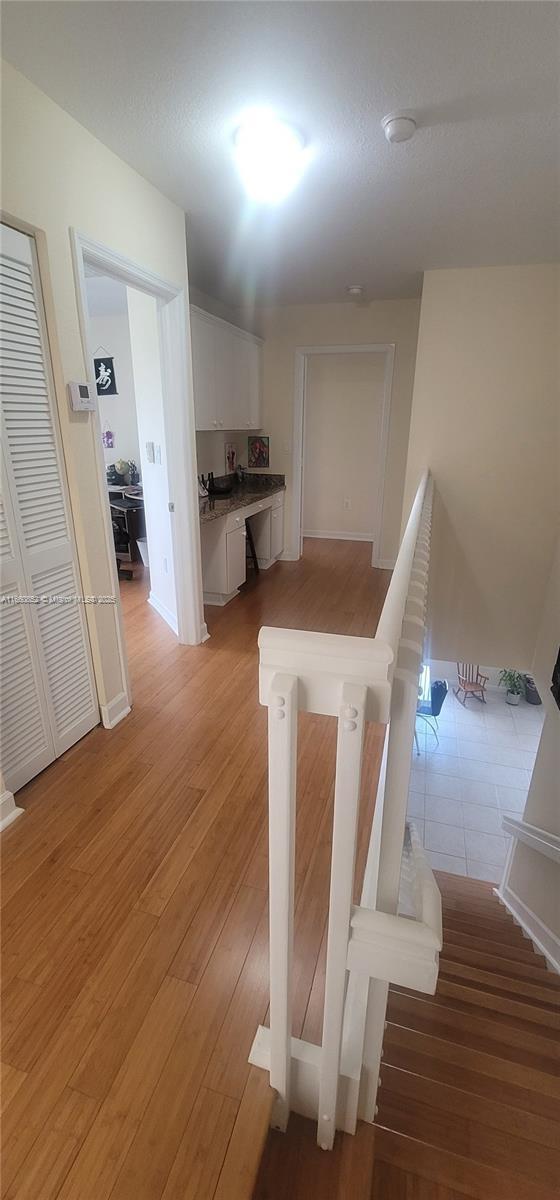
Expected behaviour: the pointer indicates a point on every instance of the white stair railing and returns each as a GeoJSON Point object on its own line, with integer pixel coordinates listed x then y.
{"type": "Point", "coordinates": [373, 944]}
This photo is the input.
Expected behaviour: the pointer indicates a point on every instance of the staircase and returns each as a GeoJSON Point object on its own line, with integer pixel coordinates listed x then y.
{"type": "Point", "coordinates": [470, 1084]}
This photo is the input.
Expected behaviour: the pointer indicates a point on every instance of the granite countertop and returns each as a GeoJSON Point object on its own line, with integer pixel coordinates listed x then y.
{"type": "Point", "coordinates": [253, 489]}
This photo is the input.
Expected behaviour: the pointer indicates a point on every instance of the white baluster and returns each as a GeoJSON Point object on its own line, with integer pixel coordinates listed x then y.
{"type": "Point", "coordinates": [346, 804]}
{"type": "Point", "coordinates": [282, 764]}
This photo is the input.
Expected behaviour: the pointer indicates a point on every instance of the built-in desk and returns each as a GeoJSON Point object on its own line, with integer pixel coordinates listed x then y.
{"type": "Point", "coordinates": [223, 538]}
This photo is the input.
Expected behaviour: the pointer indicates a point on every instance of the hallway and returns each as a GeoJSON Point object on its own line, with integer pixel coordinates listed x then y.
{"type": "Point", "coordinates": [135, 918]}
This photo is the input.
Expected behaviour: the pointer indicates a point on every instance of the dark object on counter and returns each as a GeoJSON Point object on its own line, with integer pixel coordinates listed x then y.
{"type": "Point", "coordinates": [222, 486]}
{"type": "Point", "coordinates": [531, 693]}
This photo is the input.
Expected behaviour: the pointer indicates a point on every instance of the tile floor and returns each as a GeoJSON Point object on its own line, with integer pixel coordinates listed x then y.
{"type": "Point", "coordinates": [480, 771]}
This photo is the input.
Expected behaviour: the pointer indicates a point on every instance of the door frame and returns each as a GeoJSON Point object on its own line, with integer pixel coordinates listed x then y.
{"type": "Point", "coordinates": [179, 426]}
{"type": "Point", "coordinates": [302, 356]}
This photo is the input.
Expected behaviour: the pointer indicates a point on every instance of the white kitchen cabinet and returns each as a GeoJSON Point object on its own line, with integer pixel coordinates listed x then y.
{"type": "Point", "coordinates": [236, 558]}
{"type": "Point", "coordinates": [276, 531]}
{"type": "Point", "coordinates": [226, 374]}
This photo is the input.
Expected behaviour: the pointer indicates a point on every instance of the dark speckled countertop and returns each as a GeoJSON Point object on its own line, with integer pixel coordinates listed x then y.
{"type": "Point", "coordinates": [253, 489]}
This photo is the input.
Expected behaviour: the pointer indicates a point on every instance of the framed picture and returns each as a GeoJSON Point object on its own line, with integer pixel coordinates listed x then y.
{"type": "Point", "coordinates": [231, 457]}
{"type": "Point", "coordinates": [105, 376]}
{"type": "Point", "coordinates": [258, 452]}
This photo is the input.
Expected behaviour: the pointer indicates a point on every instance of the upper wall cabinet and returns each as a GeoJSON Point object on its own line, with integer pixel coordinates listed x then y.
{"type": "Point", "coordinates": [227, 374]}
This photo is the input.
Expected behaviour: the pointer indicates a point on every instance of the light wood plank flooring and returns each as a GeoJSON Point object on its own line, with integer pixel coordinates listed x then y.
{"type": "Point", "coordinates": [135, 908]}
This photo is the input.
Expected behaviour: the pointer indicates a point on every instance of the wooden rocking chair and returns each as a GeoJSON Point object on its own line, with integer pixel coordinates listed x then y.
{"type": "Point", "coordinates": [471, 682]}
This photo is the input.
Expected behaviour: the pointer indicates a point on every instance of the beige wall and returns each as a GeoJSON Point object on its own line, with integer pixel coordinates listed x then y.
{"type": "Point", "coordinates": [485, 419]}
{"type": "Point", "coordinates": [284, 328]}
{"type": "Point", "coordinates": [57, 175]}
{"type": "Point", "coordinates": [343, 417]}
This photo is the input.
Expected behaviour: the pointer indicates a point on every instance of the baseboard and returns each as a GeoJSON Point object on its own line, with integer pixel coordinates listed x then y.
{"type": "Point", "coordinates": [9, 810]}
{"type": "Point", "coordinates": [543, 939]}
{"type": "Point", "coordinates": [385, 564]}
{"type": "Point", "coordinates": [204, 635]}
{"type": "Point", "coordinates": [336, 536]}
{"type": "Point", "coordinates": [219, 599]}
{"type": "Point", "coordinates": [288, 556]}
{"type": "Point", "coordinates": [115, 711]}
{"type": "Point", "coordinates": [169, 617]}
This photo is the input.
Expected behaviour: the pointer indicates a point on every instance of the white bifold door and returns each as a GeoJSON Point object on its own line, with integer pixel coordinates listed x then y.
{"type": "Point", "coordinates": [47, 689]}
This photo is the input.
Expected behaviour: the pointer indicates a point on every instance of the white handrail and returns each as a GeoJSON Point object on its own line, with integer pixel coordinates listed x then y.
{"type": "Point", "coordinates": [356, 680]}
{"type": "Point", "coordinates": [538, 839]}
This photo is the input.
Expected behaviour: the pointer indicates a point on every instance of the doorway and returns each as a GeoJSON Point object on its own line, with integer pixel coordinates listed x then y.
{"type": "Point", "coordinates": [341, 430]}
{"type": "Point", "coordinates": [160, 340]}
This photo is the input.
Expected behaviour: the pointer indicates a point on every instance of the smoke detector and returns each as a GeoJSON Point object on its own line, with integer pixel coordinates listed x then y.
{"type": "Point", "coordinates": [398, 127]}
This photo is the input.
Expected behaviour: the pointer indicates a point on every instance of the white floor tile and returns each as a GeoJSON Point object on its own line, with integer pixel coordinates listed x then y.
{"type": "Point", "coordinates": [480, 870]}
{"type": "Point", "coordinates": [511, 777]}
{"type": "Point", "coordinates": [512, 799]}
{"type": "Point", "coordinates": [475, 791]}
{"type": "Point", "coordinates": [442, 785]}
{"type": "Point", "coordinates": [447, 862]}
{"type": "Point", "coordinates": [417, 780]}
{"type": "Point", "coordinates": [483, 818]}
{"type": "Point", "coordinates": [445, 839]}
{"type": "Point", "coordinates": [505, 756]}
{"type": "Point", "coordinates": [481, 771]}
{"type": "Point", "coordinates": [416, 804]}
{"type": "Point", "coordinates": [498, 723]}
{"type": "Point", "coordinates": [443, 764]}
{"type": "Point", "coordinates": [485, 847]}
{"type": "Point", "coordinates": [447, 745]}
{"type": "Point", "coordinates": [529, 741]}
{"type": "Point", "coordinates": [447, 812]}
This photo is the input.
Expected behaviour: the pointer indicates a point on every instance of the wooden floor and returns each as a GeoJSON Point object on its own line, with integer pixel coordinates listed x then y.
{"type": "Point", "coordinates": [135, 909]}
{"type": "Point", "coordinates": [469, 1102]}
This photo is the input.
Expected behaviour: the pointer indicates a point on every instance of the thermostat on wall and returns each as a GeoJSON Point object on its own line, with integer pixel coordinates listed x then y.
{"type": "Point", "coordinates": [82, 397]}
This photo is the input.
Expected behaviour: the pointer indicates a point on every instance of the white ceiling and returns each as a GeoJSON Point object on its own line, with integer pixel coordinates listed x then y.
{"type": "Point", "coordinates": [162, 84]}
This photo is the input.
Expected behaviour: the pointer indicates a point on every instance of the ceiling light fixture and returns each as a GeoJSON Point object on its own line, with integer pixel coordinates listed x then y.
{"type": "Point", "coordinates": [398, 126]}
{"type": "Point", "coordinates": [270, 155]}
{"type": "Point", "coordinates": [355, 290]}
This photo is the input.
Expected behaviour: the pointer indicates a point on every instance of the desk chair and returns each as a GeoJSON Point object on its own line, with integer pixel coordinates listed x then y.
{"type": "Point", "coordinates": [429, 710]}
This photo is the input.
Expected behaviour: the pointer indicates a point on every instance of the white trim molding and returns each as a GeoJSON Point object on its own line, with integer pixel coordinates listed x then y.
{"type": "Point", "coordinates": [9, 810]}
{"type": "Point", "coordinates": [115, 710]}
{"type": "Point", "coordinates": [543, 939]}
{"type": "Point", "coordinates": [337, 535]}
{"type": "Point", "coordinates": [302, 355]}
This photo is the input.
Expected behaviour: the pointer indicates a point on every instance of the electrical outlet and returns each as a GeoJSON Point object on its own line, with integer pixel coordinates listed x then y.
{"type": "Point", "coordinates": [347, 502]}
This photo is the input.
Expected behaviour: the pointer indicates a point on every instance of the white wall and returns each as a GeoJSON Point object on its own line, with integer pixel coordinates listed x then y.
{"type": "Point", "coordinates": [146, 368]}
{"type": "Point", "coordinates": [485, 419]}
{"type": "Point", "coordinates": [110, 333]}
{"type": "Point", "coordinates": [211, 450]}
{"type": "Point", "coordinates": [343, 414]}
{"type": "Point", "coordinates": [284, 328]}
{"type": "Point", "coordinates": [56, 176]}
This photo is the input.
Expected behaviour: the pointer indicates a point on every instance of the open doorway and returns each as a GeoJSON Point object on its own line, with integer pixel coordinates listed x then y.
{"type": "Point", "coordinates": [341, 429]}
{"type": "Point", "coordinates": [123, 334]}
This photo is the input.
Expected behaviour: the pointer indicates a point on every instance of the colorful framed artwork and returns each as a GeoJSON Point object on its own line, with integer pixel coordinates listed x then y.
{"type": "Point", "coordinates": [258, 451]}
{"type": "Point", "coordinates": [231, 457]}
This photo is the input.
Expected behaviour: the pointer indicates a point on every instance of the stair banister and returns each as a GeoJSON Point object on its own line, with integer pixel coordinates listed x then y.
{"type": "Point", "coordinates": [356, 680]}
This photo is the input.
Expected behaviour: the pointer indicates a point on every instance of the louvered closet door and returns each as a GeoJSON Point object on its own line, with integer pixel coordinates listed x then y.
{"type": "Point", "coordinates": [35, 481]}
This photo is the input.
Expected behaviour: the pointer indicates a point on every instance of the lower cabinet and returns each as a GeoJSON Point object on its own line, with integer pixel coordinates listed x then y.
{"type": "Point", "coordinates": [224, 546]}
{"type": "Point", "coordinates": [236, 564]}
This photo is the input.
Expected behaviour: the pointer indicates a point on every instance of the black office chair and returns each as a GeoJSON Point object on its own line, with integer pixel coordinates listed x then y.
{"type": "Point", "coordinates": [429, 710]}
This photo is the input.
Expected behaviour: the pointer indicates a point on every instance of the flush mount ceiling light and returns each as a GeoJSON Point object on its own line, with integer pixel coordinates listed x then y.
{"type": "Point", "coordinates": [270, 156]}
{"type": "Point", "coordinates": [398, 126]}
{"type": "Point", "coordinates": [355, 290]}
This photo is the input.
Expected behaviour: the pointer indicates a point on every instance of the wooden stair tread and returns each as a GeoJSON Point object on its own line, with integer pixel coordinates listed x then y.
{"type": "Point", "coordinates": [493, 931]}
{"type": "Point", "coordinates": [482, 1073]}
{"type": "Point", "coordinates": [433, 1016]}
{"type": "Point", "coordinates": [462, 1175]}
{"type": "Point", "coordinates": [493, 981]}
{"type": "Point", "coordinates": [500, 1006]}
{"type": "Point", "coordinates": [488, 960]}
{"type": "Point", "coordinates": [454, 937]}
{"type": "Point", "coordinates": [469, 1138]}
{"type": "Point", "coordinates": [456, 1100]}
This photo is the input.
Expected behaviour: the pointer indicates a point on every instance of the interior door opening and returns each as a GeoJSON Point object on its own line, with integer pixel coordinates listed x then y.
{"type": "Point", "coordinates": [124, 339]}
